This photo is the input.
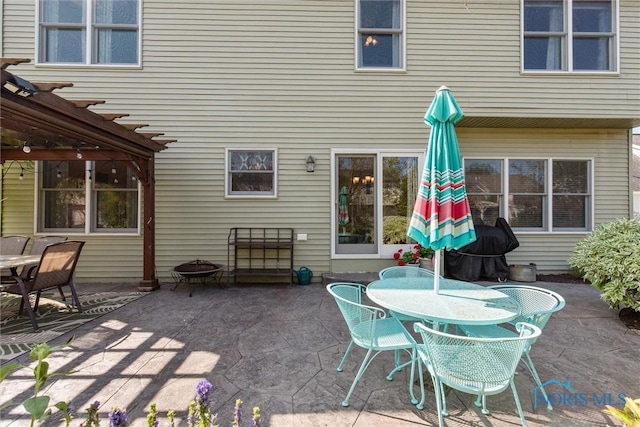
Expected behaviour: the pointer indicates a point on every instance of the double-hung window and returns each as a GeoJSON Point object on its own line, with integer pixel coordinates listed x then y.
{"type": "Point", "coordinates": [570, 35]}
{"type": "Point", "coordinates": [87, 197]}
{"type": "Point", "coordinates": [89, 32]}
{"type": "Point", "coordinates": [380, 35]}
{"type": "Point", "coordinates": [251, 173]}
{"type": "Point", "coordinates": [533, 194]}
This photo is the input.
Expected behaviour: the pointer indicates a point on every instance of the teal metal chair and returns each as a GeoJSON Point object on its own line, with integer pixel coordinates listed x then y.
{"type": "Point", "coordinates": [401, 271]}
{"type": "Point", "coordinates": [480, 366]}
{"type": "Point", "coordinates": [371, 329]}
{"type": "Point", "coordinates": [536, 307]}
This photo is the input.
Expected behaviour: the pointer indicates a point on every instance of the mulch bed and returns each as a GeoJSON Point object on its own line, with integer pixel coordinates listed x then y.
{"type": "Point", "coordinates": [561, 278]}
{"type": "Point", "coordinates": [628, 316]}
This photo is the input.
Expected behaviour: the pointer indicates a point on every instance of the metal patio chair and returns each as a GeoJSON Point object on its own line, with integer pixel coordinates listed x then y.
{"type": "Point", "coordinates": [56, 269]}
{"type": "Point", "coordinates": [400, 271]}
{"type": "Point", "coordinates": [37, 248]}
{"type": "Point", "coordinates": [11, 245]}
{"type": "Point", "coordinates": [480, 366]}
{"type": "Point", "coordinates": [536, 307]}
{"type": "Point", "coordinates": [371, 329]}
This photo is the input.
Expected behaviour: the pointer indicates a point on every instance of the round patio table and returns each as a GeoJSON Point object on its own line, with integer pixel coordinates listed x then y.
{"type": "Point", "coordinates": [457, 302]}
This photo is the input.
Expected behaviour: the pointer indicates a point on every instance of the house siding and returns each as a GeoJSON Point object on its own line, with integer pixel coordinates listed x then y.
{"type": "Point", "coordinates": [280, 74]}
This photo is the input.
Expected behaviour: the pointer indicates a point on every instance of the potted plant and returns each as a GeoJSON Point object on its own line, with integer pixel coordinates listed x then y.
{"type": "Point", "coordinates": [414, 255]}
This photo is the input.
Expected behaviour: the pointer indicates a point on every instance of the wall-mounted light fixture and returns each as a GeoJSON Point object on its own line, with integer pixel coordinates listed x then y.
{"type": "Point", "coordinates": [311, 164]}
{"type": "Point", "coordinates": [26, 147]}
{"type": "Point", "coordinates": [20, 87]}
{"type": "Point", "coordinates": [79, 154]}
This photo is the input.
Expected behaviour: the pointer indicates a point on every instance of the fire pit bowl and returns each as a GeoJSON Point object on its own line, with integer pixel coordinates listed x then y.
{"type": "Point", "coordinates": [196, 269]}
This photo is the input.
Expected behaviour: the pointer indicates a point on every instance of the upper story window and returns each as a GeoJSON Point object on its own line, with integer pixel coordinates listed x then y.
{"type": "Point", "coordinates": [533, 194]}
{"type": "Point", "coordinates": [251, 173]}
{"type": "Point", "coordinates": [380, 34]}
{"type": "Point", "coordinates": [570, 35]}
{"type": "Point", "coordinates": [87, 197]}
{"type": "Point", "coordinates": [89, 32]}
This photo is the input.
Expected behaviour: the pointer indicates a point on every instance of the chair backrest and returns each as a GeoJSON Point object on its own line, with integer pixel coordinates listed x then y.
{"type": "Point", "coordinates": [536, 304]}
{"type": "Point", "coordinates": [360, 318]}
{"type": "Point", "coordinates": [472, 362]}
{"type": "Point", "coordinates": [39, 243]}
{"type": "Point", "coordinates": [13, 245]}
{"type": "Point", "coordinates": [404, 271]}
{"type": "Point", "coordinates": [57, 265]}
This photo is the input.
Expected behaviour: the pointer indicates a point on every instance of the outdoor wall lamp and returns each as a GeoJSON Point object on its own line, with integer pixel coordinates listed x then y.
{"type": "Point", "coordinates": [311, 164]}
{"type": "Point", "coordinates": [26, 147]}
{"type": "Point", "coordinates": [78, 154]}
{"type": "Point", "coordinates": [21, 87]}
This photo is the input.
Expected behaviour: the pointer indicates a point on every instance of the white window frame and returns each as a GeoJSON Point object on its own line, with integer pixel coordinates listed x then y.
{"type": "Point", "coordinates": [547, 219]}
{"type": "Point", "coordinates": [249, 194]}
{"type": "Point", "coordinates": [90, 28]}
{"type": "Point", "coordinates": [567, 42]}
{"type": "Point", "coordinates": [90, 227]}
{"type": "Point", "coordinates": [402, 62]}
{"type": "Point", "coordinates": [383, 251]}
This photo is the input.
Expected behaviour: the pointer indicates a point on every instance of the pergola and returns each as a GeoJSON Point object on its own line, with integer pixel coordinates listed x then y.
{"type": "Point", "coordinates": [57, 128]}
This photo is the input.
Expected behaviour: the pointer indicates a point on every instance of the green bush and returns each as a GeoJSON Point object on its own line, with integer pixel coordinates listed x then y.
{"type": "Point", "coordinates": [394, 230]}
{"type": "Point", "coordinates": [609, 258]}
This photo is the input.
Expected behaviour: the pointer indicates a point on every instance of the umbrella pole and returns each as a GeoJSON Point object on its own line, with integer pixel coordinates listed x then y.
{"type": "Point", "coordinates": [436, 272]}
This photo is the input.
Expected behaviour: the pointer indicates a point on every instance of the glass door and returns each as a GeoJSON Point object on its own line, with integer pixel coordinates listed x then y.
{"type": "Point", "coordinates": [356, 204]}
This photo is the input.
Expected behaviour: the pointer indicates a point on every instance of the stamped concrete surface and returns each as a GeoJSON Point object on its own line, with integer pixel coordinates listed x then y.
{"type": "Point", "coordinates": [277, 347]}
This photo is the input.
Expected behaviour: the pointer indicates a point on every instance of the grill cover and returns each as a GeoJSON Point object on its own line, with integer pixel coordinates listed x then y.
{"type": "Point", "coordinates": [485, 257]}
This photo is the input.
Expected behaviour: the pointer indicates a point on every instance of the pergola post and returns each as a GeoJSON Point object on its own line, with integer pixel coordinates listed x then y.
{"type": "Point", "coordinates": [149, 280]}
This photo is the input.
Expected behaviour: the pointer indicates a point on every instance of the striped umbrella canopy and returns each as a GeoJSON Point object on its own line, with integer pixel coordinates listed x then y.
{"type": "Point", "coordinates": [441, 216]}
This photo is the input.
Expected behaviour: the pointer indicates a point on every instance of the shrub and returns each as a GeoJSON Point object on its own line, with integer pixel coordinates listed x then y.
{"type": "Point", "coordinates": [609, 258]}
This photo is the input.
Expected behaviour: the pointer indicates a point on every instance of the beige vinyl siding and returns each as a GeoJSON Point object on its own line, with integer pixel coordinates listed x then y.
{"type": "Point", "coordinates": [280, 74]}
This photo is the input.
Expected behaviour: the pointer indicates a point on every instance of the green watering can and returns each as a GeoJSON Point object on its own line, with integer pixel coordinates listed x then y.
{"type": "Point", "coordinates": [304, 276]}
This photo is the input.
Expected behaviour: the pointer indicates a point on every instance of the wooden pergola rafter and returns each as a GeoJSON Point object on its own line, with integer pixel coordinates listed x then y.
{"type": "Point", "coordinates": [56, 128]}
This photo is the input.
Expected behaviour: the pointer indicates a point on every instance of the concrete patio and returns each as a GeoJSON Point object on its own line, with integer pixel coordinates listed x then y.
{"type": "Point", "coordinates": [277, 347]}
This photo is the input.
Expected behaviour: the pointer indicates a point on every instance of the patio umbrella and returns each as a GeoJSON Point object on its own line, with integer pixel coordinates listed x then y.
{"type": "Point", "coordinates": [343, 208]}
{"type": "Point", "coordinates": [441, 216]}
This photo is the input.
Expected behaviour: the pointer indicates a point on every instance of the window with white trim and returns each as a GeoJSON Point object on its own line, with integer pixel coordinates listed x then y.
{"type": "Point", "coordinates": [87, 197]}
{"type": "Point", "coordinates": [89, 32]}
{"type": "Point", "coordinates": [380, 34]}
{"type": "Point", "coordinates": [251, 172]}
{"type": "Point", "coordinates": [570, 35]}
{"type": "Point", "coordinates": [532, 194]}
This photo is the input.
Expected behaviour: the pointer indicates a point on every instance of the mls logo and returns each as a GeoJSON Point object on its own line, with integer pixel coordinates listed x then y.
{"type": "Point", "coordinates": [540, 396]}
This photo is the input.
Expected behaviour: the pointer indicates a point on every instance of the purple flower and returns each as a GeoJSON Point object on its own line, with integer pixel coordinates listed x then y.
{"type": "Point", "coordinates": [202, 389]}
{"type": "Point", "coordinates": [255, 422]}
{"type": "Point", "coordinates": [237, 414]}
{"type": "Point", "coordinates": [118, 418]}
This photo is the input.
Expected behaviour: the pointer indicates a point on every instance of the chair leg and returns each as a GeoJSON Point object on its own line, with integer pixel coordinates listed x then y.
{"type": "Point", "coordinates": [414, 362]}
{"type": "Point", "coordinates": [76, 300]}
{"type": "Point", "coordinates": [61, 293]}
{"type": "Point", "coordinates": [344, 358]}
{"type": "Point", "coordinates": [363, 367]}
{"type": "Point", "coordinates": [534, 373]}
{"type": "Point", "coordinates": [518, 406]}
{"type": "Point", "coordinates": [25, 300]}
